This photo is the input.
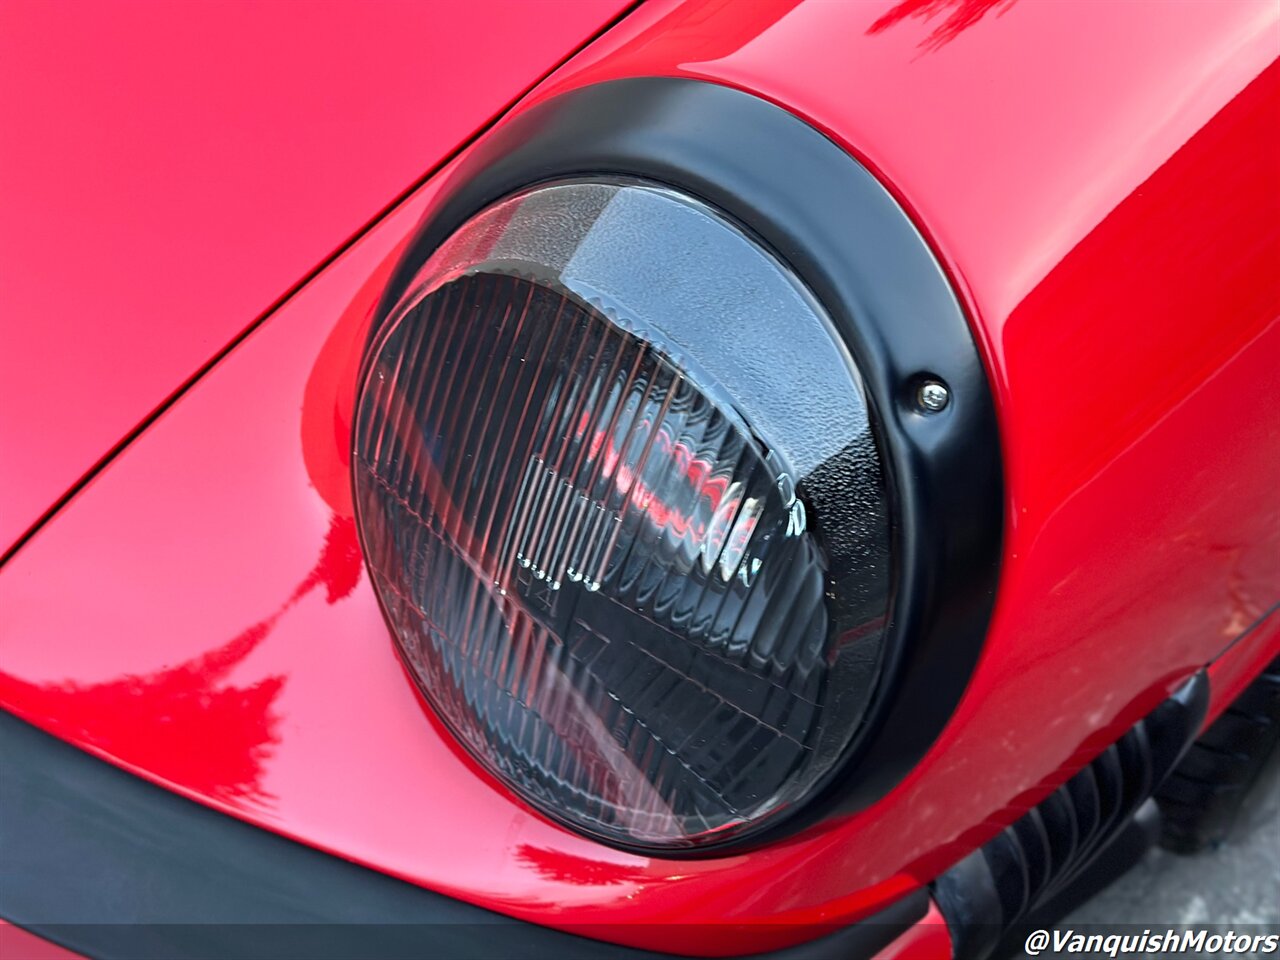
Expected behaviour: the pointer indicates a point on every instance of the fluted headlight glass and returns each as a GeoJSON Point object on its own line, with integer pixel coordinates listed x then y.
{"type": "Point", "coordinates": [620, 496]}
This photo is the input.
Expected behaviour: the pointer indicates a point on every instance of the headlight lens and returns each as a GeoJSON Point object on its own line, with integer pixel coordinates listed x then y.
{"type": "Point", "coordinates": [622, 502]}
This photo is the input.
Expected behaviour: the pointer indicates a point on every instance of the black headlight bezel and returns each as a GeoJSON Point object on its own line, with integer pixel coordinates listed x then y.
{"type": "Point", "coordinates": [847, 238]}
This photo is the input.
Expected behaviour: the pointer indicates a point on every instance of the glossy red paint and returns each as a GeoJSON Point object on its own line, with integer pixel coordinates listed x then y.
{"type": "Point", "coordinates": [1095, 179]}
{"type": "Point", "coordinates": [170, 170]}
{"type": "Point", "coordinates": [18, 944]}
{"type": "Point", "coordinates": [239, 655]}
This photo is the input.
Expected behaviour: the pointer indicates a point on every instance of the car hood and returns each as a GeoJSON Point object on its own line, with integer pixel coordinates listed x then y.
{"type": "Point", "coordinates": [170, 172]}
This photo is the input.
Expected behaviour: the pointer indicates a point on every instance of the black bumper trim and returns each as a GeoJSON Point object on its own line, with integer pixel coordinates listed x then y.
{"type": "Point", "coordinates": [109, 865]}
{"type": "Point", "coordinates": [1075, 841]}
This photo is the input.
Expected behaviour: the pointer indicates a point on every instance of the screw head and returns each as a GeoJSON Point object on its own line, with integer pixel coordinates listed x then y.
{"type": "Point", "coordinates": [933, 396]}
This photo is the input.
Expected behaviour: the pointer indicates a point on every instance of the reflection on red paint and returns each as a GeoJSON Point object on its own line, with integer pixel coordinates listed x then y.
{"type": "Point", "coordinates": [203, 732]}
{"type": "Point", "coordinates": [579, 871]}
{"type": "Point", "coordinates": [330, 394]}
{"type": "Point", "coordinates": [206, 734]}
{"type": "Point", "coordinates": [338, 568]}
{"type": "Point", "coordinates": [1142, 528]}
{"type": "Point", "coordinates": [961, 15]}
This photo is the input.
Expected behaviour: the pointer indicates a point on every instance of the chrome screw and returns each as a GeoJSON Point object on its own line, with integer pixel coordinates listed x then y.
{"type": "Point", "coordinates": [933, 396]}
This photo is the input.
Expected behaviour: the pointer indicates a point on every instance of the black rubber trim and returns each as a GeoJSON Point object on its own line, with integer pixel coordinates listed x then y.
{"type": "Point", "coordinates": [112, 866]}
{"type": "Point", "coordinates": [1074, 842]}
{"type": "Point", "coordinates": [843, 233]}
{"type": "Point", "coordinates": [1203, 796]}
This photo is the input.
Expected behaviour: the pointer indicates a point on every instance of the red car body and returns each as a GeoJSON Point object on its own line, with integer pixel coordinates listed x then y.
{"type": "Point", "coordinates": [203, 203]}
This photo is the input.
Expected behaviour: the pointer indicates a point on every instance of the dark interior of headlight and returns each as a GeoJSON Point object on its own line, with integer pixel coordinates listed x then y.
{"type": "Point", "coordinates": [621, 499]}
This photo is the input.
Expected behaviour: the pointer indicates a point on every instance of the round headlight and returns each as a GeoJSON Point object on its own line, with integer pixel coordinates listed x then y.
{"type": "Point", "coordinates": [623, 504]}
